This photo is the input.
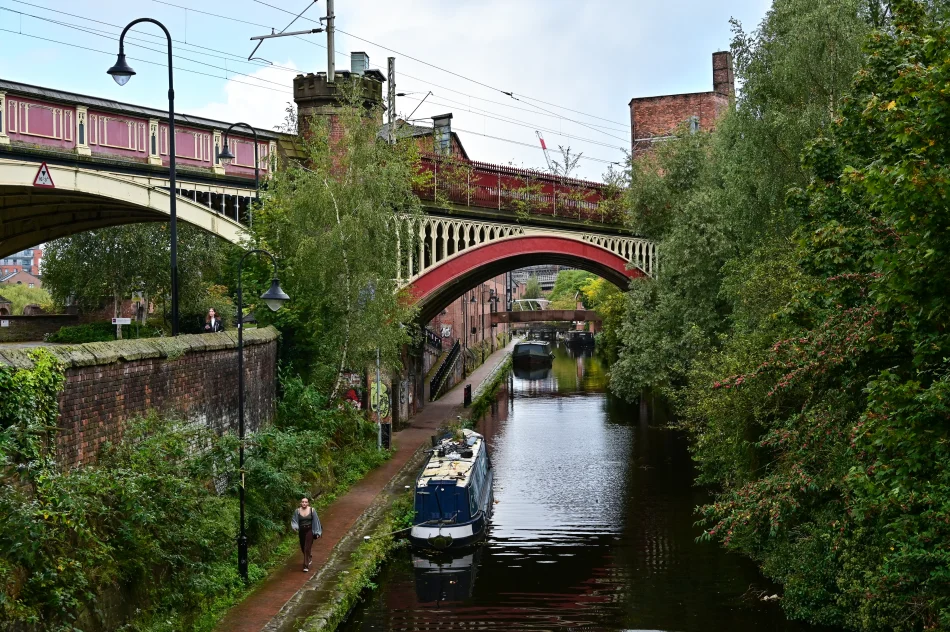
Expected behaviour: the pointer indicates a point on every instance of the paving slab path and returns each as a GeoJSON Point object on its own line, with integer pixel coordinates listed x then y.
{"type": "Point", "coordinates": [254, 613]}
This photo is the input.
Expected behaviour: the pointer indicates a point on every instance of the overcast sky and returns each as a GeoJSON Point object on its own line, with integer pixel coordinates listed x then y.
{"type": "Point", "coordinates": [554, 56]}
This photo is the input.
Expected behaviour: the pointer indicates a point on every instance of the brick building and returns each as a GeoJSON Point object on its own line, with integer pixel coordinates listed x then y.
{"type": "Point", "coordinates": [468, 318]}
{"type": "Point", "coordinates": [654, 119]}
{"type": "Point", "coordinates": [19, 277]}
{"type": "Point", "coordinates": [24, 261]}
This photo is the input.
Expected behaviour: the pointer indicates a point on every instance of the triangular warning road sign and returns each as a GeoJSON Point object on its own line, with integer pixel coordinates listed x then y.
{"type": "Point", "coordinates": [43, 178]}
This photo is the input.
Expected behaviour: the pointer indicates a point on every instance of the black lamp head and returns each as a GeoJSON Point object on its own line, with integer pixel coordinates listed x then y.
{"type": "Point", "coordinates": [121, 71]}
{"type": "Point", "coordinates": [274, 297]}
{"type": "Point", "coordinates": [226, 156]}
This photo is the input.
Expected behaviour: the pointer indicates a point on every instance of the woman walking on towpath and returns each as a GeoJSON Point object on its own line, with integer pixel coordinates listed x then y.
{"type": "Point", "coordinates": [307, 525]}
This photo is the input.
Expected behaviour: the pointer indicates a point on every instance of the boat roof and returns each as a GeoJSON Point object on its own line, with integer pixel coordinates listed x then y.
{"type": "Point", "coordinates": [453, 466]}
{"type": "Point", "coordinates": [533, 342]}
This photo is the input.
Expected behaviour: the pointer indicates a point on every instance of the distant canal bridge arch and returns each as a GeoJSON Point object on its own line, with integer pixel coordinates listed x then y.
{"type": "Point", "coordinates": [443, 257]}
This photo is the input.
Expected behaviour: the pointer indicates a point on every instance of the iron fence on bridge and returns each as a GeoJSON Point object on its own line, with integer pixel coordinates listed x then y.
{"type": "Point", "coordinates": [521, 191]}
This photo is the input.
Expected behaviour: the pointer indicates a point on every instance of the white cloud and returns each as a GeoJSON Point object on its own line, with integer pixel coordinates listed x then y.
{"type": "Point", "coordinates": [254, 100]}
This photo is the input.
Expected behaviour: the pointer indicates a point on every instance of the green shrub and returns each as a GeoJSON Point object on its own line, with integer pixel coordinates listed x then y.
{"type": "Point", "coordinates": [102, 332]}
{"type": "Point", "coordinates": [153, 521]}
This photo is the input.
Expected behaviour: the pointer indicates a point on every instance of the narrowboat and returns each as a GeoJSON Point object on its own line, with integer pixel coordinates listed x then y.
{"type": "Point", "coordinates": [453, 495]}
{"type": "Point", "coordinates": [579, 339]}
{"type": "Point", "coordinates": [532, 353]}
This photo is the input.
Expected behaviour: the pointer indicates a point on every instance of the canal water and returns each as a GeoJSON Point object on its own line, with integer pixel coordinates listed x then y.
{"type": "Point", "coordinates": [593, 527]}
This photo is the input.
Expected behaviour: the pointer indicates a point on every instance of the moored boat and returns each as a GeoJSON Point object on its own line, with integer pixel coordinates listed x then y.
{"type": "Point", "coordinates": [532, 353]}
{"type": "Point", "coordinates": [453, 496]}
{"type": "Point", "coordinates": [579, 339]}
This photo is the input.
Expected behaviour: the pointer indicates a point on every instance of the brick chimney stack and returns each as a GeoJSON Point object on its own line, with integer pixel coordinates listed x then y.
{"type": "Point", "coordinates": [654, 119]}
{"type": "Point", "coordinates": [724, 81]}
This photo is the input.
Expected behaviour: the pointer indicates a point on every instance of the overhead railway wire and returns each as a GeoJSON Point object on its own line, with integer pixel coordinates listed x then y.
{"type": "Point", "coordinates": [230, 56]}
{"type": "Point", "coordinates": [521, 98]}
{"type": "Point", "coordinates": [509, 93]}
{"type": "Point", "coordinates": [227, 17]}
{"type": "Point", "coordinates": [233, 57]}
{"type": "Point", "coordinates": [504, 119]}
{"type": "Point", "coordinates": [145, 61]}
{"type": "Point", "coordinates": [502, 103]}
{"type": "Point", "coordinates": [99, 33]}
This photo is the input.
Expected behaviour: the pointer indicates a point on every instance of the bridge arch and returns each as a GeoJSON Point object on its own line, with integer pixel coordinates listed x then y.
{"type": "Point", "coordinates": [441, 284]}
{"type": "Point", "coordinates": [85, 199]}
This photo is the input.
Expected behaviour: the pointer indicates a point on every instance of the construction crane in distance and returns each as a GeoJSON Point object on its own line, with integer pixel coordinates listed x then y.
{"type": "Point", "coordinates": [544, 148]}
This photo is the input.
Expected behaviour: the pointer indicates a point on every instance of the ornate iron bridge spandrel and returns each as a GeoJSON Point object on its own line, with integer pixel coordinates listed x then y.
{"type": "Point", "coordinates": [430, 241]}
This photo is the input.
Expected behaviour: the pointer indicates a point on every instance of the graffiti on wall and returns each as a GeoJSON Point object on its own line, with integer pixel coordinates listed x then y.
{"type": "Point", "coordinates": [380, 389]}
{"type": "Point", "coordinates": [353, 389]}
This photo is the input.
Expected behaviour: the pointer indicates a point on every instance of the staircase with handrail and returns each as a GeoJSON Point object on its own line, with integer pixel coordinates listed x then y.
{"type": "Point", "coordinates": [442, 375]}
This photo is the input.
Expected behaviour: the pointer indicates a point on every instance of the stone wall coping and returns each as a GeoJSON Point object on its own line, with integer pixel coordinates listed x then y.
{"type": "Point", "coordinates": [95, 353]}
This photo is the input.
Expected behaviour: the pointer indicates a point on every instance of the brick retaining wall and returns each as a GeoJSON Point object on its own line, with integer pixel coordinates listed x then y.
{"type": "Point", "coordinates": [33, 328]}
{"type": "Point", "coordinates": [108, 383]}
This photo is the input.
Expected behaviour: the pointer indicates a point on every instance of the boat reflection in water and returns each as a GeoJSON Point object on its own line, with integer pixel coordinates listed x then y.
{"type": "Point", "coordinates": [445, 577]}
{"type": "Point", "coordinates": [532, 373]}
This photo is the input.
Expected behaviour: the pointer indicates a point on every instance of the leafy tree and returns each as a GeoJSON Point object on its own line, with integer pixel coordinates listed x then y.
{"type": "Point", "coordinates": [532, 288]}
{"type": "Point", "coordinates": [610, 303]}
{"type": "Point", "coordinates": [568, 162]}
{"type": "Point", "coordinates": [21, 296]}
{"type": "Point", "coordinates": [826, 422]}
{"type": "Point", "coordinates": [331, 221]}
{"type": "Point", "coordinates": [712, 199]}
{"type": "Point", "coordinates": [568, 289]}
{"type": "Point", "coordinates": [112, 263]}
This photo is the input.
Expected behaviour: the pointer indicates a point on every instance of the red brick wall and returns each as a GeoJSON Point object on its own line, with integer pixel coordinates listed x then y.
{"type": "Point", "coordinates": [656, 117]}
{"type": "Point", "coordinates": [107, 383]}
{"type": "Point", "coordinates": [660, 116]}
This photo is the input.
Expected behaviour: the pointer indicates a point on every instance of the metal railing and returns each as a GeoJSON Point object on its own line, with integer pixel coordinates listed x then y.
{"type": "Point", "coordinates": [438, 381]}
{"type": "Point", "coordinates": [433, 339]}
{"type": "Point", "coordinates": [504, 188]}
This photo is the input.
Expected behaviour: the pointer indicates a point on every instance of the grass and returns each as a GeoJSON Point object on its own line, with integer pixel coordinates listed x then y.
{"type": "Point", "coordinates": [366, 561]}
{"type": "Point", "coordinates": [267, 556]}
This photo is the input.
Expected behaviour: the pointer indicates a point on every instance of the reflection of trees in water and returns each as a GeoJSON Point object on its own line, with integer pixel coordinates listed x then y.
{"type": "Point", "coordinates": [594, 530]}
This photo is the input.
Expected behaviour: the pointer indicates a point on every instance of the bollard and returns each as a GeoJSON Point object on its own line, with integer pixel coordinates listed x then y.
{"type": "Point", "coordinates": [467, 401]}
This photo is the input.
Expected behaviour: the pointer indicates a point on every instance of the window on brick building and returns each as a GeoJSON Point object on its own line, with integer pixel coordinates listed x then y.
{"type": "Point", "coordinates": [693, 124]}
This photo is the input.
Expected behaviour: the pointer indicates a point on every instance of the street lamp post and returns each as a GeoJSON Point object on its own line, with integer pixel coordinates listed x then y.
{"type": "Point", "coordinates": [471, 320]}
{"type": "Point", "coordinates": [225, 156]}
{"type": "Point", "coordinates": [274, 298]}
{"type": "Point", "coordinates": [493, 301]}
{"type": "Point", "coordinates": [122, 72]}
{"type": "Point", "coordinates": [481, 321]}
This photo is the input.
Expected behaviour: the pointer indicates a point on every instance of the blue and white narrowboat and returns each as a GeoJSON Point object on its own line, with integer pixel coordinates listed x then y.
{"type": "Point", "coordinates": [453, 496]}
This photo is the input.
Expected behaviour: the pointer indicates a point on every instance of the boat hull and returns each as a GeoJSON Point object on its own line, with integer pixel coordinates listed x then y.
{"type": "Point", "coordinates": [449, 537]}
{"type": "Point", "coordinates": [532, 360]}
{"type": "Point", "coordinates": [455, 536]}
{"type": "Point", "coordinates": [532, 354]}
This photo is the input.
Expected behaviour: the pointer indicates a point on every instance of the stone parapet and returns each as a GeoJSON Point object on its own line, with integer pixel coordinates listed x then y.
{"type": "Point", "coordinates": [193, 376]}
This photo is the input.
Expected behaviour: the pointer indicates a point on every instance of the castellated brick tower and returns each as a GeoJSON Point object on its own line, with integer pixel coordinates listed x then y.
{"type": "Point", "coordinates": [315, 96]}
{"type": "Point", "coordinates": [653, 119]}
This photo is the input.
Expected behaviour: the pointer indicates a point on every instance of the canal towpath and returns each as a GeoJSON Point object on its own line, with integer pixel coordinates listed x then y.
{"type": "Point", "coordinates": [257, 611]}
